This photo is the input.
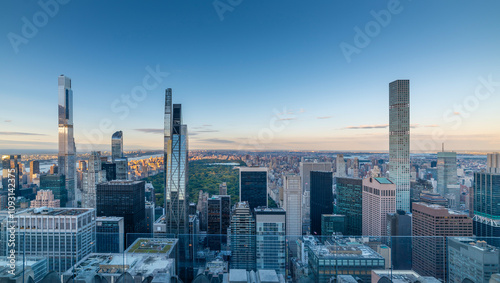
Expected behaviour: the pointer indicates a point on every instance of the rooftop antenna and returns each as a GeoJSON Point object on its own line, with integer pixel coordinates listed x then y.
{"type": "Point", "coordinates": [443, 147]}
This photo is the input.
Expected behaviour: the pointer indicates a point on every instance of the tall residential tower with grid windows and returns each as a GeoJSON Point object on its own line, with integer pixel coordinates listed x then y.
{"type": "Point", "coordinates": [399, 141]}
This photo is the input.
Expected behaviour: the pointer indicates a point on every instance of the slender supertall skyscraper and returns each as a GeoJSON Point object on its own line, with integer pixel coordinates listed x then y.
{"type": "Point", "coordinates": [67, 149]}
{"type": "Point", "coordinates": [399, 141]}
{"type": "Point", "coordinates": [175, 160]}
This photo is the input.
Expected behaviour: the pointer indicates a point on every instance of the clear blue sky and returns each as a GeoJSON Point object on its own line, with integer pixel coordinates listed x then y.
{"type": "Point", "coordinates": [264, 57]}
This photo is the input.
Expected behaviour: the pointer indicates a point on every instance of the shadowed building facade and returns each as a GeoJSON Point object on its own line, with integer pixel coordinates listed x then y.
{"type": "Point", "coordinates": [321, 198]}
{"type": "Point", "coordinates": [431, 224]}
{"type": "Point", "coordinates": [253, 186]}
{"type": "Point", "coordinates": [125, 199]}
{"type": "Point", "coordinates": [349, 203]}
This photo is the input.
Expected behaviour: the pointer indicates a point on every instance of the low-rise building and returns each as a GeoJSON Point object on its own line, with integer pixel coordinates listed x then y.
{"type": "Point", "coordinates": [473, 260]}
{"type": "Point", "coordinates": [35, 268]}
{"type": "Point", "coordinates": [136, 266]}
{"type": "Point", "coordinates": [62, 235]}
{"type": "Point", "coordinates": [342, 256]}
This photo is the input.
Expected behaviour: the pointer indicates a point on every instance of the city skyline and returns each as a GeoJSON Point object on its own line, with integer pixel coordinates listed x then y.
{"type": "Point", "coordinates": [307, 88]}
{"type": "Point", "coordinates": [327, 141]}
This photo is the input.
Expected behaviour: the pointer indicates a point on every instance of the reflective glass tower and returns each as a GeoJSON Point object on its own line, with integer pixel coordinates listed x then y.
{"type": "Point", "coordinates": [117, 156]}
{"type": "Point", "coordinates": [175, 162]}
{"type": "Point", "coordinates": [399, 141]}
{"type": "Point", "coordinates": [321, 201]}
{"type": "Point", "coordinates": [253, 186]}
{"type": "Point", "coordinates": [270, 239]}
{"type": "Point", "coordinates": [116, 145]}
{"type": "Point", "coordinates": [67, 149]}
{"type": "Point", "coordinates": [447, 183]}
{"type": "Point", "coordinates": [486, 200]}
{"type": "Point", "coordinates": [349, 203]}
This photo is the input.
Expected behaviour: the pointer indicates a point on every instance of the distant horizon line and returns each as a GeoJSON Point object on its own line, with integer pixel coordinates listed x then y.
{"type": "Point", "coordinates": [54, 152]}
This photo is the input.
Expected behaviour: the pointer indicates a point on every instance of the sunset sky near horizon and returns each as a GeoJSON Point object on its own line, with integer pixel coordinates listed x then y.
{"type": "Point", "coordinates": [261, 75]}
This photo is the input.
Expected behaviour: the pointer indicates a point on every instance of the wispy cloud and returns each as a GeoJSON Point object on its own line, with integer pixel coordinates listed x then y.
{"type": "Point", "coordinates": [20, 143]}
{"type": "Point", "coordinates": [8, 121]}
{"type": "Point", "coordinates": [413, 126]}
{"type": "Point", "coordinates": [150, 131]}
{"type": "Point", "coordinates": [207, 131]}
{"type": "Point", "coordinates": [367, 127]}
{"type": "Point", "coordinates": [287, 119]}
{"type": "Point", "coordinates": [324, 117]}
{"type": "Point", "coordinates": [203, 129]}
{"type": "Point", "coordinates": [216, 141]}
{"type": "Point", "coordinates": [20, 134]}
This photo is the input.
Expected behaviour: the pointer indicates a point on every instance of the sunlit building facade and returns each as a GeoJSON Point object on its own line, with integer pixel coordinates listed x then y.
{"type": "Point", "coordinates": [67, 148]}
{"type": "Point", "coordinates": [292, 201]}
{"type": "Point", "coordinates": [270, 238]}
{"type": "Point", "coordinates": [399, 141]}
{"type": "Point", "coordinates": [176, 159]}
{"type": "Point", "coordinates": [62, 235]}
{"type": "Point", "coordinates": [117, 157]}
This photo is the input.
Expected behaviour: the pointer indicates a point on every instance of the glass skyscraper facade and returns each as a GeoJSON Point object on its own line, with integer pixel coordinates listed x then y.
{"type": "Point", "coordinates": [447, 178]}
{"type": "Point", "coordinates": [446, 171]}
{"type": "Point", "coordinates": [253, 186]}
{"type": "Point", "coordinates": [91, 178]}
{"type": "Point", "coordinates": [109, 234]}
{"type": "Point", "coordinates": [487, 195]}
{"type": "Point", "coordinates": [349, 203]}
{"type": "Point", "coordinates": [321, 198]}
{"type": "Point", "coordinates": [175, 162]}
{"type": "Point", "coordinates": [117, 157]}
{"type": "Point", "coordinates": [332, 223]}
{"type": "Point", "coordinates": [270, 238]}
{"type": "Point", "coordinates": [399, 141]}
{"type": "Point", "coordinates": [219, 217]}
{"type": "Point", "coordinates": [486, 200]}
{"type": "Point", "coordinates": [123, 199]}
{"type": "Point", "coordinates": [242, 237]}
{"type": "Point", "coordinates": [110, 169]}
{"type": "Point", "coordinates": [116, 146]}
{"type": "Point", "coordinates": [292, 202]}
{"type": "Point", "coordinates": [56, 184]}
{"type": "Point", "coordinates": [67, 149]}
